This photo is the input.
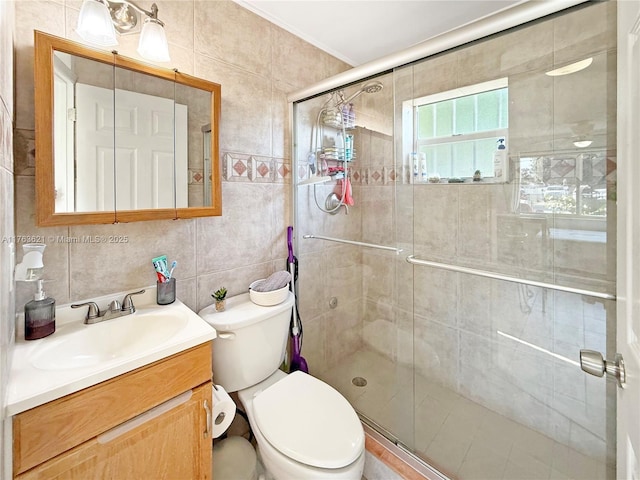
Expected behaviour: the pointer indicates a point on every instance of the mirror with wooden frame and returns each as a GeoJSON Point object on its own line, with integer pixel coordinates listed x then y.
{"type": "Point", "coordinates": [118, 140]}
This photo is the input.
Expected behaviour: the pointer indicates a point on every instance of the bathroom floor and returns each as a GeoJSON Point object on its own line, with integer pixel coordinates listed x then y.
{"type": "Point", "coordinates": [461, 438]}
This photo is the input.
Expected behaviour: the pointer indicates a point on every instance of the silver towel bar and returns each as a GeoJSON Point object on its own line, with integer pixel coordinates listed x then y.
{"type": "Point", "coordinates": [508, 278]}
{"type": "Point", "coordinates": [352, 242]}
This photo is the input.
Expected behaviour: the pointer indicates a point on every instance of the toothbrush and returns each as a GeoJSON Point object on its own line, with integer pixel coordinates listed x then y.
{"type": "Point", "coordinates": [174, 264]}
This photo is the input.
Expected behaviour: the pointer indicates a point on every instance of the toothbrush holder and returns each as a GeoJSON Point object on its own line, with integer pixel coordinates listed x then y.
{"type": "Point", "coordinates": [166, 292]}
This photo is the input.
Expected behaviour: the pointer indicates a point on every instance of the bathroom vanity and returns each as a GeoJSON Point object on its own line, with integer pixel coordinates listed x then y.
{"type": "Point", "coordinates": [149, 423]}
{"type": "Point", "coordinates": [143, 413]}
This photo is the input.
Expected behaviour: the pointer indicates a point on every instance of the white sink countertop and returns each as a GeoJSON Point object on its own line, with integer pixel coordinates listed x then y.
{"type": "Point", "coordinates": [77, 356]}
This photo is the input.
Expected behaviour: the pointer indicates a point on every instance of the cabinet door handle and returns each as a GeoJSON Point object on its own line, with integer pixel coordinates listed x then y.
{"type": "Point", "coordinates": [207, 409]}
{"type": "Point", "coordinates": [145, 417]}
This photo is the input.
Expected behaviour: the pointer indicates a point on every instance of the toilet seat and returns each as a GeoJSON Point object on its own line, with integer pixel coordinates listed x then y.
{"type": "Point", "coordinates": [309, 422]}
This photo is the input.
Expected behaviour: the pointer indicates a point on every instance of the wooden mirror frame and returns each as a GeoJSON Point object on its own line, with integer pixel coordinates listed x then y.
{"type": "Point", "coordinates": [45, 46]}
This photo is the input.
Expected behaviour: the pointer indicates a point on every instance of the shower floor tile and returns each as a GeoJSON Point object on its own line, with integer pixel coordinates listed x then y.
{"type": "Point", "coordinates": [462, 438]}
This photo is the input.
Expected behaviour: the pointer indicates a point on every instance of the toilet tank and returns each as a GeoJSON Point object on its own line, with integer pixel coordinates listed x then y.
{"type": "Point", "coordinates": [251, 340]}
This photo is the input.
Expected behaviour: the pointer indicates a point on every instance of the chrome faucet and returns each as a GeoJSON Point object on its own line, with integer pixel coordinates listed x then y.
{"type": "Point", "coordinates": [116, 309]}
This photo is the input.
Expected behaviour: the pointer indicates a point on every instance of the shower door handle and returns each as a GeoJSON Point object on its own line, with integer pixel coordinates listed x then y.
{"type": "Point", "coordinates": [593, 363]}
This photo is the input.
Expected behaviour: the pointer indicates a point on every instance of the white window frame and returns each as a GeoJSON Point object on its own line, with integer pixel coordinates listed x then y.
{"type": "Point", "coordinates": [411, 143]}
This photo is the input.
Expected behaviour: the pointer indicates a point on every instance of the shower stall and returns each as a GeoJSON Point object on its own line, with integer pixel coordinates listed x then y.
{"type": "Point", "coordinates": [455, 224]}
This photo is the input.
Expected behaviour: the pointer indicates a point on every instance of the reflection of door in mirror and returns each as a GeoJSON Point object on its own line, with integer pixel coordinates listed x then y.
{"type": "Point", "coordinates": [144, 125]}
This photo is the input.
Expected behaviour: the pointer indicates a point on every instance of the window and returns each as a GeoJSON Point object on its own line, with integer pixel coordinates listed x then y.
{"type": "Point", "coordinates": [459, 131]}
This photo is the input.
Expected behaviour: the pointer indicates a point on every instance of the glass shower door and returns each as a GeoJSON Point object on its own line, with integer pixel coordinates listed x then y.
{"type": "Point", "coordinates": [355, 305]}
{"type": "Point", "coordinates": [499, 393]}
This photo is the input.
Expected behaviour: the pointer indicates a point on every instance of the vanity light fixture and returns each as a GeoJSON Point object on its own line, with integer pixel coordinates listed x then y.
{"type": "Point", "coordinates": [571, 68]}
{"type": "Point", "coordinates": [99, 20]}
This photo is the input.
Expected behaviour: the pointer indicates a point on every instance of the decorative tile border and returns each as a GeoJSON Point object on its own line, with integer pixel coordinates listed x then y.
{"type": "Point", "coordinates": [237, 167]}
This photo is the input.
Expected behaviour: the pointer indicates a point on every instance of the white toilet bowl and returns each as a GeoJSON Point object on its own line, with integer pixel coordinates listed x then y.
{"type": "Point", "coordinates": [310, 431]}
{"type": "Point", "coordinates": [305, 429]}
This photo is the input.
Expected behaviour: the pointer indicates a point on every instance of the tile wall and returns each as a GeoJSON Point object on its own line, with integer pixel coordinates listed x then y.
{"type": "Point", "coordinates": [257, 64]}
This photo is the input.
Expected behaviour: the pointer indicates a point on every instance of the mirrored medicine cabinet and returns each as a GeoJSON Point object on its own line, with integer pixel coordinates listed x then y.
{"type": "Point", "coordinates": [118, 140]}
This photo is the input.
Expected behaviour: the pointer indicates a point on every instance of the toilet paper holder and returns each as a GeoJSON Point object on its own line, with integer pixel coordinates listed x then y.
{"type": "Point", "coordinates": [220, 418]}
{"type": "Point", "coordinates": [223, 409]}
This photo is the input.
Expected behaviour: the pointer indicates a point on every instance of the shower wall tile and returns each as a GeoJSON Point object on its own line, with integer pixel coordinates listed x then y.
{"type": "Point", "coordinates": [475, 306]}
{"type": "Point", "coordinates": [404, 213]}
{"type": "Point", "coordinates": [476, 214]}
{"type": "Point", "coordinates": [531, 97]}
{"type": "Point", "coordinates": [436, 220]}
{"type": "Point", "coordinates": [310, 219]}
{"type": "Point", "coordinates": [574, 118]}
{"type": "Point", "coordinates": [436, 352]}
{"type": "Point", "coordinates": [381, 149]}
{"type": "Point", "coordinates": [404, 337]}
{"type": "Point", "coordinates": [573, 42]}
{"type": "Point", "coordinates": [404, 84]}
{"type": "Point", "coordinates": [404, 281]}
{"type": "Point", "coordinates": [379, 330]}
{"type": "Point", "coordinates": [494, 58]}
{"type": "Point", "coordinates": [343, 271]}
{"type": "Point", "coordinates": [436, 295]}
{"type": "Point", "coordinates": [343, 331]}
{"type": "Point", "coordinates": [377, 277]}
{"type": "Point", "coordinates": [362, 144]}
{"type": "Point", "coordinates": [341, 225]}
{"type": "Point", "coordinates": [314, 348]}
{"type": "Point", "coordinates": [377, 205]}
{"type": "Point", "coordinates": [312, 299]}
{"type": "Point", "coordinates": [443, 72]}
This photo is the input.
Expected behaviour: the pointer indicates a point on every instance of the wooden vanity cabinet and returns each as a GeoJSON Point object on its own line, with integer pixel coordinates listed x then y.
{"type": "Point", "coordinates": [151, 423]}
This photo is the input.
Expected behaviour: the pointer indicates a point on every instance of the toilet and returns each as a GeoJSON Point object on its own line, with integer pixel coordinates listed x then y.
{"type": "Point", "coordinates": [304, 428]}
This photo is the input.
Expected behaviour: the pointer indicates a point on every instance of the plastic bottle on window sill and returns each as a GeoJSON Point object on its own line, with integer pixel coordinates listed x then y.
{"type": "Point", "coordinates": [423, 167]}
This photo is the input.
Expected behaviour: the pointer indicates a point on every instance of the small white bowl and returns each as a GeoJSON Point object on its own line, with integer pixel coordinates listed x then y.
{"type": "Point", "coordinates": [268, 299]}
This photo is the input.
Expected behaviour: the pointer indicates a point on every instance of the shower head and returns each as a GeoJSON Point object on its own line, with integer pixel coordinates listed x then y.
{"type": "Point", "coordinates": [371, 87]}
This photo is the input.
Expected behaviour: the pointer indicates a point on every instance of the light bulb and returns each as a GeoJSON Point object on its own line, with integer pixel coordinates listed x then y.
{"type": "Point", "coordinates": [153, 41]}
{"type": "Point", "coordinates": [95, 25]}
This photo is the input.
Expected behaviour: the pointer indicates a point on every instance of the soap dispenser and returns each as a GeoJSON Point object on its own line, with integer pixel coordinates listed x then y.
{"type": "Point", "coordinates": [39, 315]}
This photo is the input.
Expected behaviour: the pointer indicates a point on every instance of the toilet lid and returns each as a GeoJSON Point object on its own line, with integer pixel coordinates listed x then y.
{"type": "Point", "coordinates": [309, 421]}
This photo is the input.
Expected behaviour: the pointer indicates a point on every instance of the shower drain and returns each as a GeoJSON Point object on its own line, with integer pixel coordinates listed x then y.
{"type": "Point", "coordinates": [359, 381]}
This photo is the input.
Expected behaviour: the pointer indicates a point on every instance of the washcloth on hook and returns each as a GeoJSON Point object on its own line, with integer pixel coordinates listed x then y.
{"type": "Point", "coordinates": [348, 198]}
{"type": "Point", "coordinates": [275, 281]}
